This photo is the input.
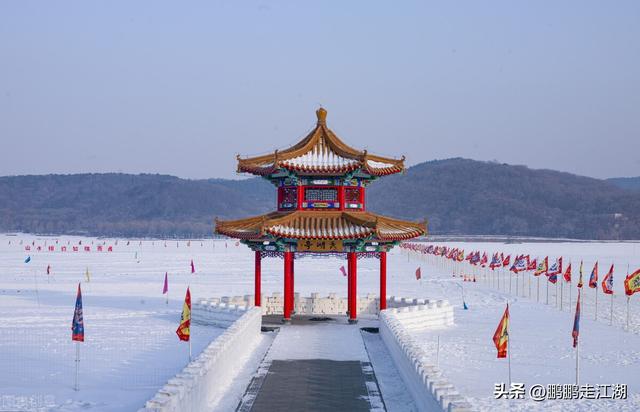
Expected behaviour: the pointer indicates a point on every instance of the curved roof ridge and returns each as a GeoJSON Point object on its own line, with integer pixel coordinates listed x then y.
{"type": "Point", "coordinates": [321, 151]}
{"type": "Point", "coordinates": [321, 224]}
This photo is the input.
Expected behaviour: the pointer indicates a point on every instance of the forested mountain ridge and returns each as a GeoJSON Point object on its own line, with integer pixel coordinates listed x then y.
{"type": "Point", "coordinates": [630, 183]}
{"type": "Point", "coordinates": [471, 197]}
{"type": "Point", "coordinates": [456, 196]}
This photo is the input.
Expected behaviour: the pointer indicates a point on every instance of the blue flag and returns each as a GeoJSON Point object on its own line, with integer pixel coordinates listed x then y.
{"type": "Point", "coordinates": [77, 326]}
{"type": "Point", "coordinates": [28, 259]}
{"type": "Point", "coordinates": [576, 323]}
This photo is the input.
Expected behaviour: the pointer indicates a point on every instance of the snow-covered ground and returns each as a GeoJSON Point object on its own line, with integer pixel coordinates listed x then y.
{"type": "Point", "coordinates": [541, 342]}
{"type": "Point", "coordinates": [131, 348]}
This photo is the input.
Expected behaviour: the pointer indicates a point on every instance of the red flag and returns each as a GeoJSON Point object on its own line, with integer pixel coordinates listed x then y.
{"type": "Point", "coordinates": [506, 261]}
{"type": "Point", "coordinates": [193, 267]}
{"type": "Point", "coordinates": [607, 282]}
{"type": "Point", "coordinates": [343, 270]}
{"type": "Point", "coordinates": [567, 274]}
{"type": "Point", "coordinates": [593, 279]}
{"type": "Point", "coordinates": [184, 330]}
{"type": "Point", "coordinates": [501, 336]}
{"type": "Point", "coordinates": [560, 265]}
{"type": "Point", "coordinates": [418, 274]}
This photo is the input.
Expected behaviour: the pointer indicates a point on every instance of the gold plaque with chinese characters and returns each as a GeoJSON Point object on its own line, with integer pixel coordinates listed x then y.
{"type": "Point", "coordinates": [319, 245]}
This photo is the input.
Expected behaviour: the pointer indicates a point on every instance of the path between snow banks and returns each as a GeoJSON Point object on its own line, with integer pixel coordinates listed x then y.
{"type": "Point", "coordinates": [315, 366]}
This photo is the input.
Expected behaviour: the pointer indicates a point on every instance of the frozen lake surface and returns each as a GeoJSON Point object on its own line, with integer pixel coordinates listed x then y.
{"type": "Point", "coordinates": [131, 349]}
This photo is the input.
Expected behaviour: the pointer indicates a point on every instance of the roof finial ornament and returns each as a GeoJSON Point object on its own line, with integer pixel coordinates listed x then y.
{"type": "Point", "coordinates": [321, 113]}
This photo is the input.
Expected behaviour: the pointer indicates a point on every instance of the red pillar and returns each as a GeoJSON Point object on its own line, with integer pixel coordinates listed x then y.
{"type": "Point", "coordinates": [257, 291]}
{"type": "Point", "coordinates": [300, 199]}
{"type": "Point", "coordinates": [293, 282]}
{"type": "Point", "coordinates": [383, 280]}
{"type": "Point", "coordinates": [288, 257]}
{"type": "Point", "coordinates": [353, 294]}
{"type": "Point", "coordinates": [349, 270]}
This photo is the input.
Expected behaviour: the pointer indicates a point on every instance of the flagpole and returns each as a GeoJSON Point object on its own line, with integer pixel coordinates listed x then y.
{"type": "Point", "coordinates": [561, 293]}
{"type": "Point", "coordinates": [570, 287]}
{"type": "Point", "coordinates": [577, 362]}
{"type": "Point", "coordinates": [547, 291]}
{"type": "Point", "coordinates": [538, 287]}
{"type": "Point", "coordinates": [510, 347]}
{"type": "Point", "coordinates": [75, 386]}
{"type": "Point", "coordinates": [611, 319]}
{"type": "Point", "coordinates": [596, 290]}
{"type": "Point", "coordinates": [504, 279]}
{"type": "Point", "coordinates": [628, 298]}
{"type": "Point", "coordinates": [556, 285]}
{"type": "Point", "coordinates": [579, 302]}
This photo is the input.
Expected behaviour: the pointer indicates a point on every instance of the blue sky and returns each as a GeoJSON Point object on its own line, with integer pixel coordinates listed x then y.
{"type": "Point", "coordinates": [181, 88]}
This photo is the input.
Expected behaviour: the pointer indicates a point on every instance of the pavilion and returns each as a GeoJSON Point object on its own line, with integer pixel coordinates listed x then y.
{"type": "Point", "coordinates": [321, 209]}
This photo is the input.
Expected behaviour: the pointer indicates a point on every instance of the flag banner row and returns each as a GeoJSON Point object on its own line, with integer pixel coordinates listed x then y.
{"type": "Point", "coordinates": [553, 270]}
{"type": "Point", "coordinates": [68, 248]}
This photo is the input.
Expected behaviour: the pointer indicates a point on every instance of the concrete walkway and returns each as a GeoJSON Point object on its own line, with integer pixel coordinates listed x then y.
{"type": "Point", "coordinates": [315, 366]}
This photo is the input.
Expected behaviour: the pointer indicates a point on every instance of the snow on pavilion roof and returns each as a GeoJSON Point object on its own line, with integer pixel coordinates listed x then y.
{"type": "Point", "coordinates": [321, 225]}
{"type": "Point", "coordinates": [321, 152]}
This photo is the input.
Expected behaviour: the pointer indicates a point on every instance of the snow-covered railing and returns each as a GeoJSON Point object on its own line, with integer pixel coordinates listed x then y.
{"type": "Point", "coordinates": [417, 314]}
{"type": "Point", "coordinates": [193, 389]}
{"type": "Point", "coordinates": [223, 310]}
{"type": "Point", "coordinates": [303, 305]}
{"type": "Point", "coordinates": [217, 313]}
{"type": "Point", "coordinates": [398, 302]}
{"type": "Point", "coordinates": [429, 389]}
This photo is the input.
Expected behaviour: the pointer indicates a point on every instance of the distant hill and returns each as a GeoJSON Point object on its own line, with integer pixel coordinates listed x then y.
{"type": "Point", "coordinates": [471, 197]}
{"type": "Point", "coordinates": [457, 196]}
{"type": "Point", "coordinates": [126, 205]}
{"type": "Point", "coordinates": [629, 183]}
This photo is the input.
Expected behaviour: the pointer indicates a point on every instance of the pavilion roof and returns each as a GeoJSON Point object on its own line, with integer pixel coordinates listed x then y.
{"type": "Point", "coordinates": [321, 152]}
{"type": "Point", "coordinates": [321, 225]}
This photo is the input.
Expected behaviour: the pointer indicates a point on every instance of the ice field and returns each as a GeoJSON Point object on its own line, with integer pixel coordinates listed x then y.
{"type": "Point", "coordinates": [131, 349]}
